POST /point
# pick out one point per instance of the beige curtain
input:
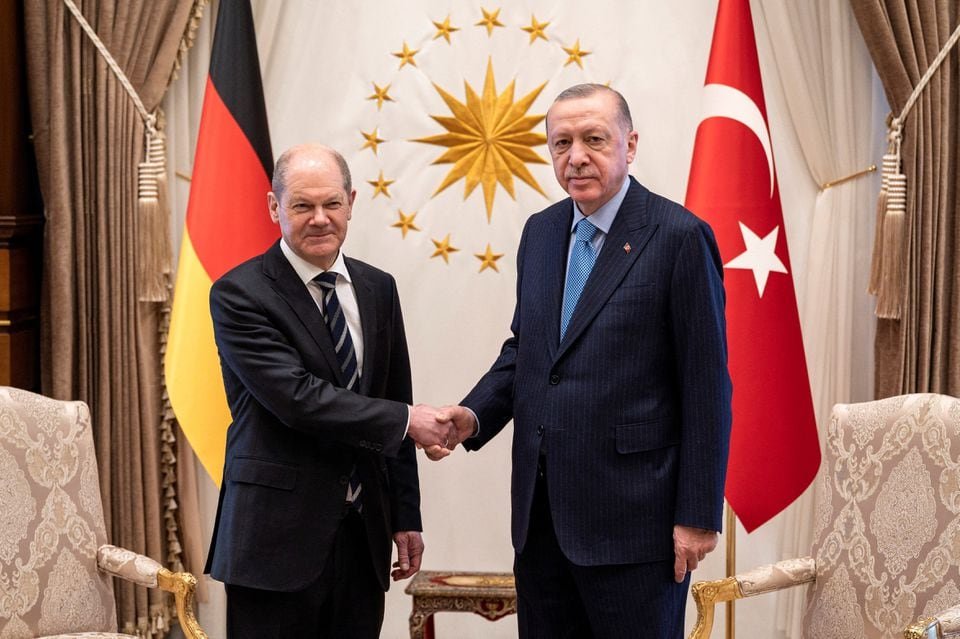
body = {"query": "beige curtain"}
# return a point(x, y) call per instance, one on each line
point(921, 351)
point(100, 342)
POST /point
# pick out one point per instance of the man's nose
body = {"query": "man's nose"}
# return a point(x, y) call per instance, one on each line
point(578, 154)
point(319, 217)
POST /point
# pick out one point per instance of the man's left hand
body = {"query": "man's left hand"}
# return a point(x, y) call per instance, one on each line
point(690, 546)
point(409, 553)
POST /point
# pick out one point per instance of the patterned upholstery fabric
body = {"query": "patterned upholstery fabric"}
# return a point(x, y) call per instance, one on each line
point(783, 574)
point(51, 521)
point(91, 635)
point(128, 565)
point(887, 527)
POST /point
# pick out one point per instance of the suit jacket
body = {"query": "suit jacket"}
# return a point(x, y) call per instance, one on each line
point(297, 433)
point(631, 411)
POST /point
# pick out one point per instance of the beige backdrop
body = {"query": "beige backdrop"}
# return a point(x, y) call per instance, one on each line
point(319, 61)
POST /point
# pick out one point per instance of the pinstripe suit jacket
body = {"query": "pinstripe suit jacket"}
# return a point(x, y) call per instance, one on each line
point(632, 409)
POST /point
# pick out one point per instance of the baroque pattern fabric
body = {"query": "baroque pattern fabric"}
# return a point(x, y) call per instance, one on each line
point(51, 521)
point(887, 543)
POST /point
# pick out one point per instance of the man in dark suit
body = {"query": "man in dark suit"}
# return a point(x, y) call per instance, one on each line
point(320, 466)
point(616, 378)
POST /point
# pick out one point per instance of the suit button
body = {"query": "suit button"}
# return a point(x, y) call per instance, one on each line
point(554, 379)
point(344, 480)
point(540, 430)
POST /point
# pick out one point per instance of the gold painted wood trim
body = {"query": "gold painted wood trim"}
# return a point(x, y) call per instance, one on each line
point(924, 629)
point(706, 594)
point(183, 585)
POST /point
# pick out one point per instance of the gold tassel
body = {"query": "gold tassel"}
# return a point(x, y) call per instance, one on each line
point(886, 279)
point(153, 259)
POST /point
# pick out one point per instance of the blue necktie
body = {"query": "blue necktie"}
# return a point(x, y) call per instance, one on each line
point(346, 355)
point(581, 263)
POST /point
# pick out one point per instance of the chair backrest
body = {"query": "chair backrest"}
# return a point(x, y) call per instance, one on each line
point(51, 520)
point(887, 521)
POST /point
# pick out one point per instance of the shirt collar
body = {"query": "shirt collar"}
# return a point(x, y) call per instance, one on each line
point(603, 217)
point(307, 271)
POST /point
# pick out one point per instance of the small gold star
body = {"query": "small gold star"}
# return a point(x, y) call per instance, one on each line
point(489, 21)
point(380, 95)
point(372, 141)
point(576, 54)
point(405, 223)
point(406, 56)
point(380, 185)
point(444, 29)
point(443, 248)
point(488, 259)
point(536, 29)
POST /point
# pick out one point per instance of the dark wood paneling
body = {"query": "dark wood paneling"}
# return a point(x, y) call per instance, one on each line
point(21, 214)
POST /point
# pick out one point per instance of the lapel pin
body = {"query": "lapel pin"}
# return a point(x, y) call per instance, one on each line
point(626, 248)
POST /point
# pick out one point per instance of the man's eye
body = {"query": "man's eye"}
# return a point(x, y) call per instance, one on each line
point(560, 144)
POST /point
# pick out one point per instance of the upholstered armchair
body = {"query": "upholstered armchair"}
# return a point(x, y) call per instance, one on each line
point(56, 568)
point(886, 542)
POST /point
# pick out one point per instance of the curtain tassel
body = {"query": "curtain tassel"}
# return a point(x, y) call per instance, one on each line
point(153, 259)
point(886, 270)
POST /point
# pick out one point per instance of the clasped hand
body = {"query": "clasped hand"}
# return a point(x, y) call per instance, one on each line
point(439, 430)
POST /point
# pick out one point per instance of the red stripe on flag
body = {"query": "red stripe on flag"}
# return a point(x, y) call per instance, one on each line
point(774, 449)
point(227, 215)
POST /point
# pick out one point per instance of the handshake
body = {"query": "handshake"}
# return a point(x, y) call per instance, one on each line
point(438, 430)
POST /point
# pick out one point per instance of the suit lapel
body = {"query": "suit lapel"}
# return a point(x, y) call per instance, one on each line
point(292, 290)
point(629, 227)
point(367, 303)
point(556, 243)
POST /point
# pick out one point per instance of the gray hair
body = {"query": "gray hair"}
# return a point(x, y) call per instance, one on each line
point(578, 91)
point(279, 182)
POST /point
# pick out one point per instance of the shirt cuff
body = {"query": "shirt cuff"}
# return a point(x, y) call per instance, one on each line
point(407, 427)
point(476, 420)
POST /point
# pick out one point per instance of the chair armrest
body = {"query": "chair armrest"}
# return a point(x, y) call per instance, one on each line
point(779, 576)
point(945, 625)
point(144, 571)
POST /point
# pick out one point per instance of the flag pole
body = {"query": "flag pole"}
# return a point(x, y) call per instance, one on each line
point(731, 536)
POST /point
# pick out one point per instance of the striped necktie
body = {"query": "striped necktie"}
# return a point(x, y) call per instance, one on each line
point(346, 354)
point(581, 263)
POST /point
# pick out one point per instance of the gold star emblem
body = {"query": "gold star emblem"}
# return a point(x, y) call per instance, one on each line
point(489, 21)
point(380, 95)
point(372, 141)
point(536, 29)
point(380, 185)
point(489, 139)
point(406, 56)
point(405, 223)
point(488, 259)
point(576, 54)
point(443, 248)
point(444, 29)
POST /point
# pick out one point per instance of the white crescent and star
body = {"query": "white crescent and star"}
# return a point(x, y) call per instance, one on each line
point(723, 101)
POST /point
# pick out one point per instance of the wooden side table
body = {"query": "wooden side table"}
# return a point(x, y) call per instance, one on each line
point(490, 594)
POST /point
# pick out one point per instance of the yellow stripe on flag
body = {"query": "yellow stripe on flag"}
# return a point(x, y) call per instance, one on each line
point(192, 366)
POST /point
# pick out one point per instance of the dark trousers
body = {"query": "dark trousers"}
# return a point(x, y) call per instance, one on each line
point(345, 601)
point(557, 599)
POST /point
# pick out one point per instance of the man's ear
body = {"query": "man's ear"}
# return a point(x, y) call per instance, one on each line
point(632, 139)
point(351, 200)
point(274, 206)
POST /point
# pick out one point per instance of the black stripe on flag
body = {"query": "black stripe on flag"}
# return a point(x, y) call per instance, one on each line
point(235, 72)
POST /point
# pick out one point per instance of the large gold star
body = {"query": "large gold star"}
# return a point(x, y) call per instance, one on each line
point(444, 29)
point(536, 29)
point(489, 21)
point(576, 54)
point(443, 248)
point(405, 223)
point(489, 139)
point(380, 95)
point(488, 259)
point(380, 185)
point(372, 141)
point(406, 56)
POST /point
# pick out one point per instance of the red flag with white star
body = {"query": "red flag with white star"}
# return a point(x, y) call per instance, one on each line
point(774, 450)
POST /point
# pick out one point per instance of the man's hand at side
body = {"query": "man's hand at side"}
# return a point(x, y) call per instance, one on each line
point(409, 554)
point(690, 546)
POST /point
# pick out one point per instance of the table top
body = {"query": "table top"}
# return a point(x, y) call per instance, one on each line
point(462, 584)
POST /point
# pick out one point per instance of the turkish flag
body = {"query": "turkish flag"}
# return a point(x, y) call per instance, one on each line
point(774, 450)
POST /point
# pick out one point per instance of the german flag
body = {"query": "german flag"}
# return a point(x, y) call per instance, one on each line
point(227, 222)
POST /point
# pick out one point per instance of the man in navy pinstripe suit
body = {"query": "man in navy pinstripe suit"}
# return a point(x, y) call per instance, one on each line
point(620, 393)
